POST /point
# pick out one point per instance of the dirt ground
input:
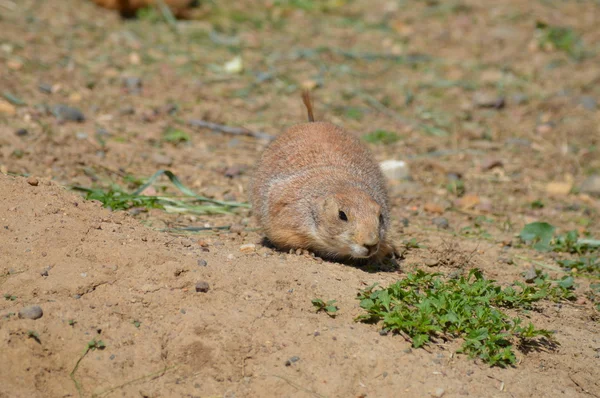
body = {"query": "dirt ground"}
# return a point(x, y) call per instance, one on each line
point(474, 94)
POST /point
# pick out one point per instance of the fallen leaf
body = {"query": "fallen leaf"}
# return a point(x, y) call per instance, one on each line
point(559, 188)
point(433, 208)
point(468, 201)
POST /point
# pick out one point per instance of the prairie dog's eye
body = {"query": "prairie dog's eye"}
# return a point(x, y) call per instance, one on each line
point(381, 219)
point(342, 216)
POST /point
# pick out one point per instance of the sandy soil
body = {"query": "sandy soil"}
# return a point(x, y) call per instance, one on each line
point(116, 277)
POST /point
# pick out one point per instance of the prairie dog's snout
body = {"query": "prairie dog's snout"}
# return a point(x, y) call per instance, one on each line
point(317, 187)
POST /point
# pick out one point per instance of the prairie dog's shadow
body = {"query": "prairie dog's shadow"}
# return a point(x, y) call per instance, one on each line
point(387, 265)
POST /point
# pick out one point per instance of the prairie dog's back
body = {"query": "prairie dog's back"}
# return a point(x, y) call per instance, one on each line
point(313, 157)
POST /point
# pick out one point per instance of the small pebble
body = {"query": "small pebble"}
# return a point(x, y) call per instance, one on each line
point(21, 132)
point(248, 248)
point(77, 296)
point(591, 185)
point(530, 275)
point(439, 393)
point(44, 272)
point(441, 222)
point(407, 350)
point(132, 84)
point(395, 169)
point(202, 287)
point(31, 312)
point(183, 311)
point(68, 113)
point(33, 181)
point(292, 360)
point(316, 334)
point(487, 100)
point(588, 102)
point(162, 160)
point(202, 263)
point(233, 171)
point(384, 332)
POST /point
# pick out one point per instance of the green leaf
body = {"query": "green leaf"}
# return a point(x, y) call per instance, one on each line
point(538, 233)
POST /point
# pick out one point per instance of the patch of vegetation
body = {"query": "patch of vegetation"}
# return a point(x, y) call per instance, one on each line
point(91, 346)
point(424, 306)
point(585, 264)
point(537, 204)
point(541, 236)
point(137, 324)
point(175, 136)
point(10, 297)
point(594, 295)
point(560, 38)
point(381, 137)
point(456, 187)
point(32, 334)
point(116, 198)
point(329, 307)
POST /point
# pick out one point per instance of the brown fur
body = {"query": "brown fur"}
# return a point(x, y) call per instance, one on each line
point(302, 181)
point(128, 8)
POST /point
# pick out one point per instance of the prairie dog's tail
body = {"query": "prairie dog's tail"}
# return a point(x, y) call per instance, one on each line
point(308, 105)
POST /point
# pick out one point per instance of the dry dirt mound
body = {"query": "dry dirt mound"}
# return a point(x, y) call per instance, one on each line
point(103, 276)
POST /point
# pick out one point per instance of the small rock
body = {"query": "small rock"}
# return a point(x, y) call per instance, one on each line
point(489, 164)
point(433, 208)
point(202, 263)
point(32, 312)
point(233, 171)
point(588, 102)
point(591, 185)
point(468, 201)
point(516, 141)
point(431, 262)
point(407, 350)
point(384, 332)
point(32, 181)
point(44, 272)
point(162, 160)
point(520, 99)
point(132, 84)
point(248, 248)
point(559, 188)
point(487, 100)
point(439, 393)
point(292, 360)
point(81, 135)
point(127, 110)
point(236, 228)
point(395, 169)
point(7, 108)
point(405, 222)
point(506, 260)
point(68, 113)
point(530, 275)
point(77, 296)
point(45, 88)
point(441, 222)
point(544, 128)
point(21, 132)
point(202, 287)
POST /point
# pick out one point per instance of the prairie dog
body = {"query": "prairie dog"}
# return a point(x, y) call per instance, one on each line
point(317, 187)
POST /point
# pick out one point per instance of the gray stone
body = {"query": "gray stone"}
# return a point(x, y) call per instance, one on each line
point(441, 222)
point(591, 185)
point(202, 287)
point(68, 113)
point(31, 312)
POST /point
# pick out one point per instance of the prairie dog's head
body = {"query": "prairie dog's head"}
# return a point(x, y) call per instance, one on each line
point(349, 224)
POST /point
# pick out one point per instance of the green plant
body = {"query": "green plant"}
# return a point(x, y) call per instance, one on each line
point(175, 136)
point(137, 324)
point(586, 264)
point(537, 204)
point(116, 198)
point(10, 297)
point(560, 38)
point(34, 335)
point(91, 346)
point(329, 307)
point(541, 236)
point(424, 306)
point(381, 137)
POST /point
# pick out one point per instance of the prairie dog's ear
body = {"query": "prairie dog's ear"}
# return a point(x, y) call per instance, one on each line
point(330, 205)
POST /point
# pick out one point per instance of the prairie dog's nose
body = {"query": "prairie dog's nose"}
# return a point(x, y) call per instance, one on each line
point(371, 243)
point(371, 239)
